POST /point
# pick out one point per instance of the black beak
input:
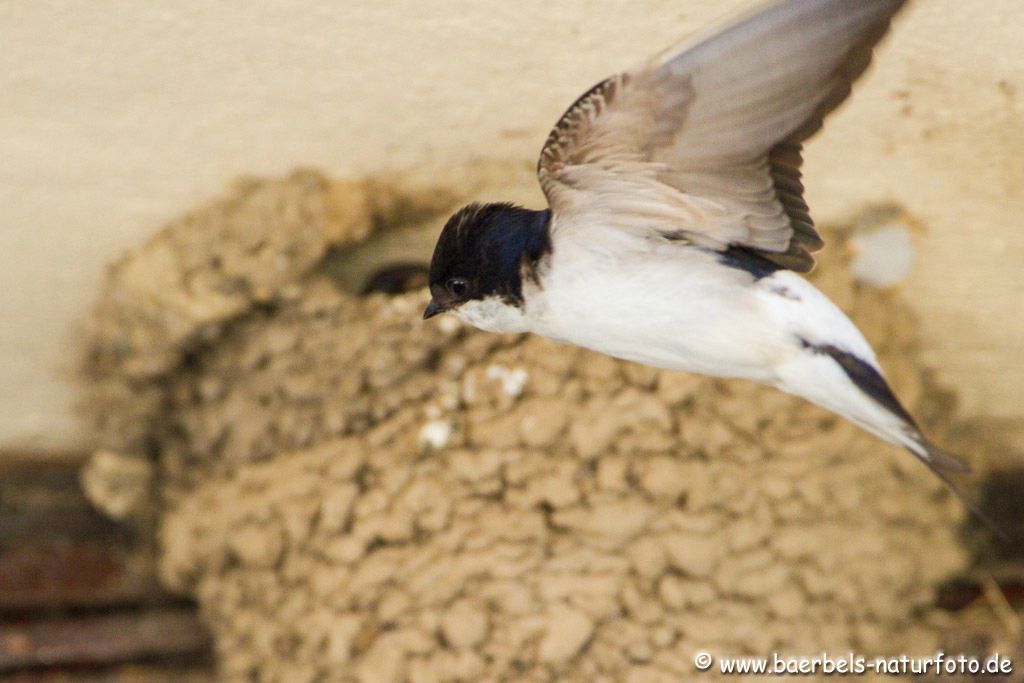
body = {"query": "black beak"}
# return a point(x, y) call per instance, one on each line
point(433, 308)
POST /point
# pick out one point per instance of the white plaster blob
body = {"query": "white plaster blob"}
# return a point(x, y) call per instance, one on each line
point(883, 256)
point(512, 380)
point(435, 435)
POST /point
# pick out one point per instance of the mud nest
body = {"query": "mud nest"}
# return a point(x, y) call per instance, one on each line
point(354, 494)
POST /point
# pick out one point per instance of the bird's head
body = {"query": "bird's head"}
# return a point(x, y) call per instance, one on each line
point(480, 260)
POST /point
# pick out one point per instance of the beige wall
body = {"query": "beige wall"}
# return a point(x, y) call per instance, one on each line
point(116, 116)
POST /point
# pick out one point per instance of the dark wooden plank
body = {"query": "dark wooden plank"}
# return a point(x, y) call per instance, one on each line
point(124, 673)
point(102, 639)
point(47, 574)
point(57, 551)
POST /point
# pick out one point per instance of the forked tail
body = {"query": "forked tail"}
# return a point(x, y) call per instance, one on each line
point(945, 465)
point(854, 387)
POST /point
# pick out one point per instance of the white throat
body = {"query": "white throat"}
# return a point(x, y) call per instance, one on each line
point(494, 315)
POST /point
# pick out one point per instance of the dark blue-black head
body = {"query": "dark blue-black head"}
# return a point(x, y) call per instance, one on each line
point(484, 251)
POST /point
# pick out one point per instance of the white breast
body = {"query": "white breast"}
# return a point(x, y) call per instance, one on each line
point(664, 305)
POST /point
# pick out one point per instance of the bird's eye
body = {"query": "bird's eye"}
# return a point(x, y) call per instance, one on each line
point(457, 287)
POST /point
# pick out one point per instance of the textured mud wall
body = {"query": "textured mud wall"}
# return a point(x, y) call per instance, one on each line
point(356, 495)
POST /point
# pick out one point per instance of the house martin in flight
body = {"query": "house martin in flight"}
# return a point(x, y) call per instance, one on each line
point(677, 230)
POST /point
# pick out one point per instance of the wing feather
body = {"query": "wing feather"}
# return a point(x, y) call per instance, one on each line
point(712, 130)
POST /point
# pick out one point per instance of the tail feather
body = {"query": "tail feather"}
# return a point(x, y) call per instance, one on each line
point(945, 466)
point(853, 386)
point(938, 458)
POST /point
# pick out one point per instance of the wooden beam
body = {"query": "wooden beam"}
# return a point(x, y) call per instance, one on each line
point(103, 639)
point(57, 551)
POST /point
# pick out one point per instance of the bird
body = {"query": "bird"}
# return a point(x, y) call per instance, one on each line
point(677, 234)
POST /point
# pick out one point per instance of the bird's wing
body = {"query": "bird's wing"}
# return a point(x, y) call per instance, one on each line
point(703, 142)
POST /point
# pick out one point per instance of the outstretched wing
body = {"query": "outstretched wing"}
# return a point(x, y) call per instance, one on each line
point(703, 142)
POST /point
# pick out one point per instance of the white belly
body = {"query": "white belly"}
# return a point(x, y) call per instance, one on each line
point(681, 311)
